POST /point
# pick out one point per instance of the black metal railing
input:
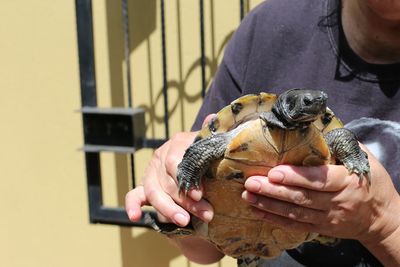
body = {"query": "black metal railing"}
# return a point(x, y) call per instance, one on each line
point(119, 130)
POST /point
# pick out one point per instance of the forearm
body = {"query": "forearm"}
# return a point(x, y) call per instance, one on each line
point(197, 249)
point(388, 250)
point(386, 246)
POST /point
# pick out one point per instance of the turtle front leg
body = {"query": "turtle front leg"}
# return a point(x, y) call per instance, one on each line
point(344, 146)
point(197, 158)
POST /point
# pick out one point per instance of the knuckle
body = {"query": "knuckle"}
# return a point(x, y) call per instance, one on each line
point(302, 198)
point(172, 160)
point(157, 153)
point(348, 208)
point(294, 212)
point(263, 205)
point(320, 185)
point(160, 151)
point(178, 136)
point(151, 194)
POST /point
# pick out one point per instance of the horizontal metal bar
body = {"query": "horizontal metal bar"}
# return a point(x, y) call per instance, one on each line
point(153, 143)
point(120, 130)
point(118, 110)
point(116, 149)
point(118, 216)
point(147, 143)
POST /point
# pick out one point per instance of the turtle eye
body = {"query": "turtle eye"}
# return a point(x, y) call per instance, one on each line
point(307, 101)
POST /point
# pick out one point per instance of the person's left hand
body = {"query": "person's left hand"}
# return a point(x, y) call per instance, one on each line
point(327, 200)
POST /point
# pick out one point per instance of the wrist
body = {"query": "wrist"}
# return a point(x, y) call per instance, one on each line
point(387, 250)
point(197, 249)
point(385, 224)
point(383, 239)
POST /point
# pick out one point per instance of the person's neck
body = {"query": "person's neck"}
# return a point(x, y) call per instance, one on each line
point(371, 36)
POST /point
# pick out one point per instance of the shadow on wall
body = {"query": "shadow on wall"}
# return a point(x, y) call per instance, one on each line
point(143, 18)
point(143, 22)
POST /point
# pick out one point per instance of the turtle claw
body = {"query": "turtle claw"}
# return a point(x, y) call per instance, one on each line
point(359, 166)
point(344, 145)
point(196, 161)
point(188, 175)
point(369, 178)
point(186, 182)
point(367, 175)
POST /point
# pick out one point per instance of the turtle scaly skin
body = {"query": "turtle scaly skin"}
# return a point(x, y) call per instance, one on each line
point(247, 138)
point(344, 146)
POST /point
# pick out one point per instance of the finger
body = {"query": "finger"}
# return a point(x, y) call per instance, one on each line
point(328, 178)
point(285, 209)
point(297, 195)
point(162, 202)
point(134, 200)
point(201, 208)
point(162, 218)
point(208, 119)
point(167, 207)
point(196, 194)
point(170, 156)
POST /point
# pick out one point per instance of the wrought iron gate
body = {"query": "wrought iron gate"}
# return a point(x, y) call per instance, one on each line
point(118, 130)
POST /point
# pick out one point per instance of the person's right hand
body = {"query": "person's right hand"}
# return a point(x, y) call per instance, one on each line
point(159, 187)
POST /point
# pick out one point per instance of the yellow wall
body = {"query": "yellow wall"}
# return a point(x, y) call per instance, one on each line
point(43, 199)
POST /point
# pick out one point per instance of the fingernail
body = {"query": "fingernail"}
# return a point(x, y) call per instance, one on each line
point(196, 195)
point(131, 214)
point(180, 219)
point(252, 185)
point(206, 215)
point(249, 197)
point(276, 176)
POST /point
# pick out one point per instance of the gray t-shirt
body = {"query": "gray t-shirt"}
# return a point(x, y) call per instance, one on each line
point(284, 44)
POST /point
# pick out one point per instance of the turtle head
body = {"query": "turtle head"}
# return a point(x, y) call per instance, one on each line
point(300, 106)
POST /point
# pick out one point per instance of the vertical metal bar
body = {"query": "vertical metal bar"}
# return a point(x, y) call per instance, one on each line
point(202, 47)
point(86, 52)
point(88, 96)
point(98, 213)
point(125, 22)
point(241, 9)
point(164, 67)
point(93, 174)
point(132, 166)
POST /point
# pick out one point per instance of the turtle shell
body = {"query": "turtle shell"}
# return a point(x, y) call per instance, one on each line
point(254, 151)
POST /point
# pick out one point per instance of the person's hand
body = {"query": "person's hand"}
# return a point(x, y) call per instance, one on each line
point(327, 200)
point(159, 186)
point(159, 189)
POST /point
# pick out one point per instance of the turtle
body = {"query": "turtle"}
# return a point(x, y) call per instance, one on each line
point(249, 137)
